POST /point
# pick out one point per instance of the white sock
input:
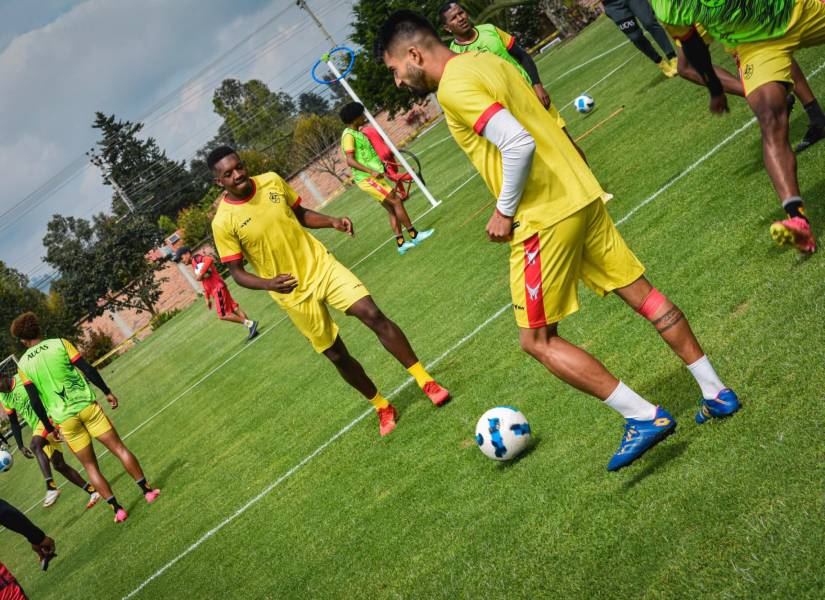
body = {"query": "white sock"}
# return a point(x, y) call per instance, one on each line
point(629, 404)
point(248, 323)
point(706, 377)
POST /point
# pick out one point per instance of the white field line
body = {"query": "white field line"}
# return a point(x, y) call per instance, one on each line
point(224, 363)
point(250, 503)
point(433, 145)
point(587, 62)
point(457, 345)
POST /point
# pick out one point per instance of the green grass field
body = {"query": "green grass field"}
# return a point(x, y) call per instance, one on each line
point(231, 432)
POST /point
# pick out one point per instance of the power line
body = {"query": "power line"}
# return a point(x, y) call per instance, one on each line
point(79, 165)
point(47, 194)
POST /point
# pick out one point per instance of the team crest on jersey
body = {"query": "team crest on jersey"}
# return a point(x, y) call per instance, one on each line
point(747, 72)
point(275, 197)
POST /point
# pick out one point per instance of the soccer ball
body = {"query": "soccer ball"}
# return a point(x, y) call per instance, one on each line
point(502, 433)
point(6, 460)
point(584, 103)
point(199, 268)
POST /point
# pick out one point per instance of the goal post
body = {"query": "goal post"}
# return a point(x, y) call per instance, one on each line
point(341, 78)
point(8, 369)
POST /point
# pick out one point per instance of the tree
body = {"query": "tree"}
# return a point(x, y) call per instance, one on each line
point(567, 16)
point(166, 226)
point(156, 184)
point(313, 138)
point(197, 166)
point(194, 221)
point(372, 80)
point(16, 297)
point(104, 264)
point(312, 103)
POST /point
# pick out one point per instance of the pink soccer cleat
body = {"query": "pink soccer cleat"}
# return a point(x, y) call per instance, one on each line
point(151, 496)
point(121, 515)
point(796, 231)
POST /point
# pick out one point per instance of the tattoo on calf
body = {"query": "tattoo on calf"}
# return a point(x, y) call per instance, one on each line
point(668, 320)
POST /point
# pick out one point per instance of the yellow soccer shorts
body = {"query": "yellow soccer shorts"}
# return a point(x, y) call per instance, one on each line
point(51, 446)
point(700, 31)
point(91, 422)
point(554, 112)
point(546, 267)
point(338, 288)
point(377, 187)
point(768, 61)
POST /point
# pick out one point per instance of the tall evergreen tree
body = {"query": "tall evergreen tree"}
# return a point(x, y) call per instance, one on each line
point(155, 183)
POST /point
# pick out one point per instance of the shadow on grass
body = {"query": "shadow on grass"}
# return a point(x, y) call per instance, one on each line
point(534, 442)
point(158, 480)
point(656, 458)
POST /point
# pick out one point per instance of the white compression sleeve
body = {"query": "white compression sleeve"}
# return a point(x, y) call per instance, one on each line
point(517, 147)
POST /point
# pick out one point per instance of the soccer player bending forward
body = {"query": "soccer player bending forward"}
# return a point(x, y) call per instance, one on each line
point(548, 210)
point(260, 219)
point(52, 373)
point(763, 34)
point(15, 400)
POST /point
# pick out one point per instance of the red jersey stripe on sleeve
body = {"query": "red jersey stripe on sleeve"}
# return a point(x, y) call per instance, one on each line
point(230, 258)
point(75, 358)
point(685, 37)
point(511, 43)
point(485, 117)
point(296, 203)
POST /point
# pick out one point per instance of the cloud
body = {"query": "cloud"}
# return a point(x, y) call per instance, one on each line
point(123, 57)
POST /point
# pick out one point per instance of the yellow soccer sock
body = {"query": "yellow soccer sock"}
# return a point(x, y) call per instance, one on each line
point(420, 374)
point(379, 401)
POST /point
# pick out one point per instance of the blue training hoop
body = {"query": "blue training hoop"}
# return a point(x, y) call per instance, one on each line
point(326, 57)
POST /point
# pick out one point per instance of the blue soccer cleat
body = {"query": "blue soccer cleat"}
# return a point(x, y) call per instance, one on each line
point(402, 249)
point(422, 235)
point(641, 436)
point(725, 404)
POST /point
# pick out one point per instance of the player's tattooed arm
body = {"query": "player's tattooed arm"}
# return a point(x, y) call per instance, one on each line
point(670, 319)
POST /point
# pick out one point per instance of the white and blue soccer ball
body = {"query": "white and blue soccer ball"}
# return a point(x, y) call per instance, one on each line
point(502, 433)
point(584, 103)
point(6, 460)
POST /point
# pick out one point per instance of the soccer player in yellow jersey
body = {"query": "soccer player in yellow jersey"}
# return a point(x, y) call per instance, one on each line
point(260, 219)
point(548, 210)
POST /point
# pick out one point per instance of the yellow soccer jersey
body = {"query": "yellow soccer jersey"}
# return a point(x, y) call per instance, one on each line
point(264, 230)
point(474, 87)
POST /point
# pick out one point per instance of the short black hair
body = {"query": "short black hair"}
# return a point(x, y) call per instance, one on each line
point(217, 155)
point(401, 23)
point(447, 6)
point(350, 112)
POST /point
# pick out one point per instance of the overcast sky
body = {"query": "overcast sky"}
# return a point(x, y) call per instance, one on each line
point(62, 60)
